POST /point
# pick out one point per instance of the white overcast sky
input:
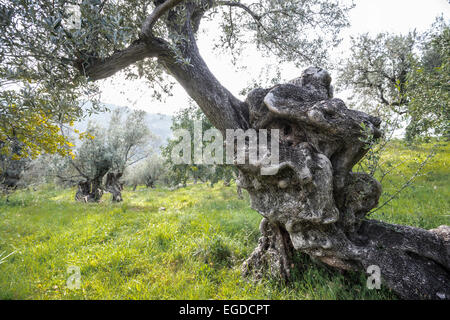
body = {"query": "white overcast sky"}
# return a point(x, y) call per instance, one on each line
point(373, 16)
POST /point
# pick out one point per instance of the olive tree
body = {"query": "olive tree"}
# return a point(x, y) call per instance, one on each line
point(428, 87)
point(187, 119)
point(147, 172)
point(12, 165)
point(313, 203)
point(404, 76)
point(377, 70)
point(105, 153)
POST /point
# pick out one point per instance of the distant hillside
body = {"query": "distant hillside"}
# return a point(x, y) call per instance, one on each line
point(159, 124)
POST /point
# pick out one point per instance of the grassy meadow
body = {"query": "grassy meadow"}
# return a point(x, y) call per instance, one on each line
point(184, 244)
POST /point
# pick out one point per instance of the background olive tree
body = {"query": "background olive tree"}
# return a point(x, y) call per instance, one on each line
point(149, 172)
point(181, 173)
point(402, 78)
point(105, 153)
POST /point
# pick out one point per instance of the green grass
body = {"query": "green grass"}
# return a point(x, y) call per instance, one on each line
point(191, 250)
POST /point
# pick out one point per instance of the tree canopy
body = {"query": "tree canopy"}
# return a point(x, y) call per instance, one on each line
point(406, 75)
point(48, 65)
point(428, 88)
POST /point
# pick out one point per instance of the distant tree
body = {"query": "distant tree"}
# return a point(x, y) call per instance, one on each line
point(377, 70)
point(181, 173)
point(428, 88)
point(40, 171)
point(91, 163)
point(106, 153)
point(147, 172)
point(401, 75)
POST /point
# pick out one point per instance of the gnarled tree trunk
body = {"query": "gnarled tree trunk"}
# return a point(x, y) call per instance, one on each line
point(89, 191)
point(114, 186)
point(315, 204)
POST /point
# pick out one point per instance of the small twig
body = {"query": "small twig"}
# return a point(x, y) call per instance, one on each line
point(407, 183)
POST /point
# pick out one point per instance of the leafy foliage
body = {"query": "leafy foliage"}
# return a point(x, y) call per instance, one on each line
point(149, 171)
point(291, 30)
point(39, 88)
point(404, 76)
point(428, 89)
point(44, 59)
point(376, 70)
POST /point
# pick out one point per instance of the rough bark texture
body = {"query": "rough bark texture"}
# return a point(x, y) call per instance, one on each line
point(239, 192)
point(114, 186)
point(316, 199)
point(91, 190)
point(273, 255)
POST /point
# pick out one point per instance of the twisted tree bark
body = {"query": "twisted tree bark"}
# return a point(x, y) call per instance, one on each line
point(91, 190)
point(315, 204)
point(114, 186)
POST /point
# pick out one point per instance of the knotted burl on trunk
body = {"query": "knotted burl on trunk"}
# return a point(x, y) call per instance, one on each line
point(317, 205)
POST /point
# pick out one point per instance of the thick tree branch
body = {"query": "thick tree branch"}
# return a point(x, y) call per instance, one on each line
point(220, 106)
point(103, 68)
